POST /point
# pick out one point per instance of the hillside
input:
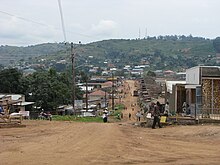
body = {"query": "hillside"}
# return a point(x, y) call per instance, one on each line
point(158, 52)
point(163, 52)
point(10, 54)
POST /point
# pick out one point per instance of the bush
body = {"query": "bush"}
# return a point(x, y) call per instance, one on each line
point(77, 119)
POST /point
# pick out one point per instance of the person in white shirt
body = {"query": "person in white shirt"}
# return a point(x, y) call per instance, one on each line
point(138, 114)
point(105, 117)
point(167, 111)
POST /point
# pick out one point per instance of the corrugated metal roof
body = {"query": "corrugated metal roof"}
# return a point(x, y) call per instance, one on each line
point(97, 93)
point(24, 103)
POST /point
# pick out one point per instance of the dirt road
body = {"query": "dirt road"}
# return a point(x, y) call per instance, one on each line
point(129, 101)
point(71, 143)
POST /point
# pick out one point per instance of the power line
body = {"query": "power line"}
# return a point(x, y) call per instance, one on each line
point(24, 19)
point(46, 25)
point(62, 20)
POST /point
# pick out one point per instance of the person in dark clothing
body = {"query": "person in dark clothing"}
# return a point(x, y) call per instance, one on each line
point(129, 115)
point(1, 110)
point(105, 118)
point(188, 111)
point(156, 114)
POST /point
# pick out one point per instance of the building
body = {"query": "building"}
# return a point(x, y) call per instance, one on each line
point(99, 98)
point(107, 85)
point(175, 94)
point(97, 95)
point(14, 102)
point(202, 91)
point(198, 96)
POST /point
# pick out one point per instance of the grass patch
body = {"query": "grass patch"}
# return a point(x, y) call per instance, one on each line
point(116, 112)
point(119, 107)
point(77, 119)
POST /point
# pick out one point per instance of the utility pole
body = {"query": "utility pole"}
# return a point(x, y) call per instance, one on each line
point(105, 99)
point(86, 93)
point(113, 99)
point(73, 78)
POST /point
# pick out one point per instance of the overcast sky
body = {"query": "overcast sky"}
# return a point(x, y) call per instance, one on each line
point(30, 22)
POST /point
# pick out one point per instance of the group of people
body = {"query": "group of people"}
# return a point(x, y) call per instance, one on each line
point(186, 109)
point(45, 115)
point(157, 111)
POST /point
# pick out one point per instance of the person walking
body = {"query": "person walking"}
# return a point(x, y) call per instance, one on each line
point(167, 111)
point(129, 115)
point(105, 117)
point(138, 115)
point(156, 115)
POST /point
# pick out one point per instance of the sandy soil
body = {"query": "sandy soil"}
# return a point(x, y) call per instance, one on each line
point(70, 143)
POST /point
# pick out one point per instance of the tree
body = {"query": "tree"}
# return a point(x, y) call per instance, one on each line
point(216, 44)
point(10, 80)
point(48, 89)
point(151, 74)
point(1, 66)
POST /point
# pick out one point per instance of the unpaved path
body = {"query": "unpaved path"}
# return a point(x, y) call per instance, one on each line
point(129, 101)
point(71, 143)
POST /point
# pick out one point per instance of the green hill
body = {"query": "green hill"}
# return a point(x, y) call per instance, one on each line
point(160, 53)
point(163, 52)
point(11, 54)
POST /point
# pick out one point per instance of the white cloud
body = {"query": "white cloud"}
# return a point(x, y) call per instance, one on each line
point(105, 28)
point(92, 20)
point(15, 30)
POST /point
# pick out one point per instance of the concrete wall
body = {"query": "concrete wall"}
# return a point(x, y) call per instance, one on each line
point(170, 97)
point(193, 75)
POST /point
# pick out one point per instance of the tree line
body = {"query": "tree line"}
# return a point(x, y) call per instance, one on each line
point(48, 89)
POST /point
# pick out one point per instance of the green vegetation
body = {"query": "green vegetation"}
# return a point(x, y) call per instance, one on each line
point(118, 111)
point(151, 74)
point(77, 119)
point(14, 54)
point(162, 52)
point(10, 80)
point(119, 106)
point(47, 89)
point(216, 44)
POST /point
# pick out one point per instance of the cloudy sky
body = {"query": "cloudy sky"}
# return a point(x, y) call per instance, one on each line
point(29, 22)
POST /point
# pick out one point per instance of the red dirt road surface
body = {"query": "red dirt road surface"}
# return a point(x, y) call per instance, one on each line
point(71, 143)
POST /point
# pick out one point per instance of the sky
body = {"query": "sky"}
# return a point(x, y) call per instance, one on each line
point(31, 22)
